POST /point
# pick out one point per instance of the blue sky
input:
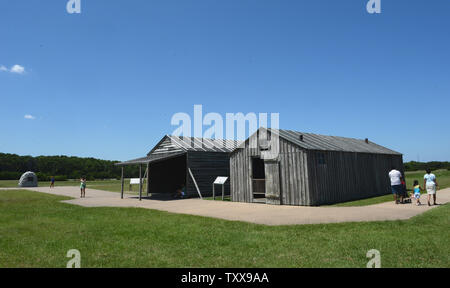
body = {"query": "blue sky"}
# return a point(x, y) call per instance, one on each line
point(105, 83)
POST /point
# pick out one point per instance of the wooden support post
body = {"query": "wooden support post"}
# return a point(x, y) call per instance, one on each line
point(214, 192)
point(140, 182)
point(195, 183)
point(122, 182)
point(148, 178)
point(223, 192)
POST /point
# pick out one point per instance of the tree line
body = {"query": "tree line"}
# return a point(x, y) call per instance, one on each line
point(434, 165)
point(12, 166)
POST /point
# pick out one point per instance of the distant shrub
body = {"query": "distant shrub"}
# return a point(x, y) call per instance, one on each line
point(421, 166)
point(42, 177)
point(61, 178)
point(9, 175)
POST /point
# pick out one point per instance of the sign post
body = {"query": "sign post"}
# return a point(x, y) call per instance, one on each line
point(219, 181)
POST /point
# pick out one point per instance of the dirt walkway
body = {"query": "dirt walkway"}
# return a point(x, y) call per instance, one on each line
point(254, 213)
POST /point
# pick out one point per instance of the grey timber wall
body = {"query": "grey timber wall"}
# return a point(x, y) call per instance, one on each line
point(206, 167)
point(293, 178)
point(309, 177)
point(346, 176)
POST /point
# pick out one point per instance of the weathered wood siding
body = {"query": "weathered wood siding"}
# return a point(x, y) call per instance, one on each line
point(166, 146)
point(292, 169)
point(309, 178)
point(344, 176)
point(272, 171)
point(206, 167)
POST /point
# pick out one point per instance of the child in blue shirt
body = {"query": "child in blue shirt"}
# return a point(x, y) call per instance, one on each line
point(417, 189)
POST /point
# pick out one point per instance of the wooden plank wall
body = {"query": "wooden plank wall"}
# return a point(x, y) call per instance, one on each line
point(347, 176)
point(206, 167)
point(272, 170)
point(241, 172)
point(294, 189)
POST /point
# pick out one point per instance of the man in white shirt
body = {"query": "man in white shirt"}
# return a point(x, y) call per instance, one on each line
point(396, 184)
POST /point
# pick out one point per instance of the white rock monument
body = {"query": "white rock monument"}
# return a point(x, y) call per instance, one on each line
point(28, 179)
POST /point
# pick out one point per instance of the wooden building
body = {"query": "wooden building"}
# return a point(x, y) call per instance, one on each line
point(185, 161)
point(294, 168)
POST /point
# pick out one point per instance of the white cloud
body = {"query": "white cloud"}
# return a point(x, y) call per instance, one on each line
point(17, 69)
point(29, 117)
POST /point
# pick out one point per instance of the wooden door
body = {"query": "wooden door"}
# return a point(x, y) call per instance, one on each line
point(273, 193)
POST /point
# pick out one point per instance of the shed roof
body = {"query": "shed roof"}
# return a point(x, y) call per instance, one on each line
point(312, 141)
point(151, 158)
point(198, 144)
point(333, 143)
point(174, 146)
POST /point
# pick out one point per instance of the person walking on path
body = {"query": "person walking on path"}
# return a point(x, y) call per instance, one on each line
point(52, 182)
point(83, 187)
point(430, 183)
point(416, 192)
point(396, 184)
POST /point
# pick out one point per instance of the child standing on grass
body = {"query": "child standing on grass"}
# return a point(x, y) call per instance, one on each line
point(417, 189)
point(83, 187)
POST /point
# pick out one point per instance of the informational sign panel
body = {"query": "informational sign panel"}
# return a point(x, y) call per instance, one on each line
point(134, 181)
point(221, 180)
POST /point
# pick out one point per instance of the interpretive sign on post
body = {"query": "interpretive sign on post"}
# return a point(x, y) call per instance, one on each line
point(219, 181)
point(135, 181)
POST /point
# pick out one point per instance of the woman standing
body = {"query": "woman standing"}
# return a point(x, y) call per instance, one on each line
point(430, 183)
point(83, 187)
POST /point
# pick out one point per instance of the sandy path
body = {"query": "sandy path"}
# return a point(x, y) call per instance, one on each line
point(253, 213)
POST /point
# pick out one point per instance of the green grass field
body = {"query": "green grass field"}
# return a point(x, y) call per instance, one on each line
point(37, 230)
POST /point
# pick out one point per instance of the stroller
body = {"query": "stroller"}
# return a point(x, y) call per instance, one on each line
point(406, 199)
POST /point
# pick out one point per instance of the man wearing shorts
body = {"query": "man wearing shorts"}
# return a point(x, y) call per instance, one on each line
point(396, 184)
point(430, 183)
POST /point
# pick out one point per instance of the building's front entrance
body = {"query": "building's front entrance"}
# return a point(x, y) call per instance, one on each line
point(258, 180)
point(265, 181)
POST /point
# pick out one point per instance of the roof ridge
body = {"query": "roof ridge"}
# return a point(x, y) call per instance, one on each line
point(313, 141)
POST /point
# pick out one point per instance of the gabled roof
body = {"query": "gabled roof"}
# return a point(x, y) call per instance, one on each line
point(176, 143)
point(174, 146)
point(310, 141)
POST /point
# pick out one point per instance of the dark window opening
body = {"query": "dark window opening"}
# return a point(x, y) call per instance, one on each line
point(321, 159)
point(258, 181)
point(258, 168)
